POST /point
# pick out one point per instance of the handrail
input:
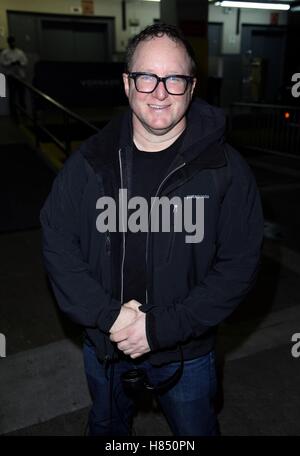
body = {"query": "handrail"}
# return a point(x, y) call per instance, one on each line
point(262, 105)
point(58, 105)
point(271, 128)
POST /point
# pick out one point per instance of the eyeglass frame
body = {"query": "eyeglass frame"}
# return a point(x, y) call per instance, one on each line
point(133, 75)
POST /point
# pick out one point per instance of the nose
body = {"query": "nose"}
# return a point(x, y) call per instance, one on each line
point(160, 92)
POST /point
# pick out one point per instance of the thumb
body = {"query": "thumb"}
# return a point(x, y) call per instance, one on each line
point(133, 304)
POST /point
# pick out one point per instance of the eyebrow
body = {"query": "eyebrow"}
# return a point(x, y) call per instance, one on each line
point(153, 72)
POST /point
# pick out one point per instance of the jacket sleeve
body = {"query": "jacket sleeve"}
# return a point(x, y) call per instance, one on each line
point(232, 274)
point(78, 293)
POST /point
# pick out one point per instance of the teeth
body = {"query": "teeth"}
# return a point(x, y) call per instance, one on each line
point(157, 107)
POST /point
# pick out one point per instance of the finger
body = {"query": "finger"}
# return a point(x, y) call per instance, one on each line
point(135, 355)
point(133, 304)
point(124, 329)
point(139, 351)
point(118, 336)
point(124, 346)
point(129, 349)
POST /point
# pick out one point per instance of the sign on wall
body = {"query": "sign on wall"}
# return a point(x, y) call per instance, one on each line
point(88, 7)
point(274, 18)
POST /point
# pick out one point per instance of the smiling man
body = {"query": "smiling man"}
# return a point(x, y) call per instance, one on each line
point(159, 107)
point(150, 300)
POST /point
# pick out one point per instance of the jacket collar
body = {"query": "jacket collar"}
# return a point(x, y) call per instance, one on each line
point(201, 146)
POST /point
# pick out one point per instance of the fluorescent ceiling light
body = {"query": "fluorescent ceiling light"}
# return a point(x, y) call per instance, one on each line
point(254, 5)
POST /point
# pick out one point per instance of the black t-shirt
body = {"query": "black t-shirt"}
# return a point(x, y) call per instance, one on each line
point(149, 169)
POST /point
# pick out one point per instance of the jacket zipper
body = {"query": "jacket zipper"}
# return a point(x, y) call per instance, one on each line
point(107, 357)
point(107, 243)
point(149, 218)
point(123, 236)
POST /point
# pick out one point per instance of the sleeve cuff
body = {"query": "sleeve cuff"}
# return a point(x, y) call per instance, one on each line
point(104, 323)
point(165, 329)
point(150, 332)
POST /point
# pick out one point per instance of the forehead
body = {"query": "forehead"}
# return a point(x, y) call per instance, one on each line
point(160, 54)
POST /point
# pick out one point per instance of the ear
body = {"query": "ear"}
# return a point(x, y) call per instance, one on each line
point(126, 83)
point(193, 86)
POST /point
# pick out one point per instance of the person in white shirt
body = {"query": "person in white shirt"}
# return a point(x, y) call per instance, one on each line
point(13, 62)
point(13, 59)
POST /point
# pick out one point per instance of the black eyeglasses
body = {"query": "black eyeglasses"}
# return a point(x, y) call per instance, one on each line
point(175, 84)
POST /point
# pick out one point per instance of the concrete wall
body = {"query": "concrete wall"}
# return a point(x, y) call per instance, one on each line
point(144, 12)
point(231, 43)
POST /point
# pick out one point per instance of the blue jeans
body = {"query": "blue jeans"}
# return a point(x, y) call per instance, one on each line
point(188, 405)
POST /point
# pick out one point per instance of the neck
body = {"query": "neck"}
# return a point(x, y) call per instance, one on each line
point(150, 142)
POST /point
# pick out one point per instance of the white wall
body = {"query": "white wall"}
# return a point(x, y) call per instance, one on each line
point(231, 42)
point(145, 12)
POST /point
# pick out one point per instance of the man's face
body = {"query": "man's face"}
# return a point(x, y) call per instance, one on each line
point(159, 112)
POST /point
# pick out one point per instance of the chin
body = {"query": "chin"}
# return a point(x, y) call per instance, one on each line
point(160, 124)
point(159, 131)
point(156, 126)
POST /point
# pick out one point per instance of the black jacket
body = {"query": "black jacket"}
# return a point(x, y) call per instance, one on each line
point(191, 287)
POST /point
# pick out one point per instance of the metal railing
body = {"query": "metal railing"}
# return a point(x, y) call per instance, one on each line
point(32, 103)
point(266, 127)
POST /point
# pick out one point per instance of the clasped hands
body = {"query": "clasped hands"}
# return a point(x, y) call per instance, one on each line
point(129, 330)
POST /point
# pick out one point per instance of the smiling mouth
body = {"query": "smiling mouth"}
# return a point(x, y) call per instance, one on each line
point(158, 107)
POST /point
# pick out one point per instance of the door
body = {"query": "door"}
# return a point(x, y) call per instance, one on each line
point(68, 41)
point(265, 46)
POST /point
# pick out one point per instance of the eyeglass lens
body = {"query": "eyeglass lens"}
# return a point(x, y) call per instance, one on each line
point(173, 84)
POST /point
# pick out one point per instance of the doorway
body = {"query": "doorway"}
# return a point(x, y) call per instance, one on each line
point(263, 49)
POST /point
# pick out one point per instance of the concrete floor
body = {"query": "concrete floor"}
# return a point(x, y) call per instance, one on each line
point(259, 376)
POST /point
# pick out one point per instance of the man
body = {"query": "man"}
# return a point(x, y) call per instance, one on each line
point(145, 297)
point(14, 62)
point(13, 59)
